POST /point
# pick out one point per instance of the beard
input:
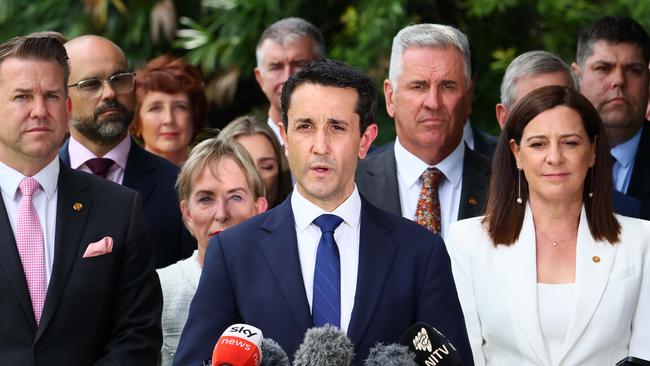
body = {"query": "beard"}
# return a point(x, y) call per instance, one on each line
point(108, 129)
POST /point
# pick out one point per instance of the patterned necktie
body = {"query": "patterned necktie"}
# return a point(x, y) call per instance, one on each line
point(326, 304)
point(427, 213)
point(100, 166)
point(30, 243)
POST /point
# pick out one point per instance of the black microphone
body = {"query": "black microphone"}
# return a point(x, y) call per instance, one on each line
point(325, 346)
point(390, 355)
point(273, 354)
point(430, 346)
point(632, 361)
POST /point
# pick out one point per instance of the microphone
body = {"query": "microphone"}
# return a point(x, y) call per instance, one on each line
point(239, 345)
point(390, 355)
point(273, 354)
point(632, 361)
point(325, 346)
point(430, 346)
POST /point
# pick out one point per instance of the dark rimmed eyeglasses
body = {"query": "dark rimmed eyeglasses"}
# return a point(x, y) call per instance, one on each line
point(120, 83)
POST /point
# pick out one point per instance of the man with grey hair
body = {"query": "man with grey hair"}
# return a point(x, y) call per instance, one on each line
point(428, 174)
point(284, 48)
point(527, 72)
point(612, 69)
point(536, 69)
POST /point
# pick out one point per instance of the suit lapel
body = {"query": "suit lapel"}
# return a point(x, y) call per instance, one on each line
point(136, 174)
point(518, 263)
point(12, 266)
point(476, 176)
point(379, 178)
point(376, 255)
point(280, 247)
point(594, 261)
point(640, 181)
point(70, 224)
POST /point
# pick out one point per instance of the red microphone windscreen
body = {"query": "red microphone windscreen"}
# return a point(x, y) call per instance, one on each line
point(239, 345)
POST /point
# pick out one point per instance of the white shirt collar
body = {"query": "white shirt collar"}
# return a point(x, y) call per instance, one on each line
point(410, 167)
point(47, 177)
point(349, 210)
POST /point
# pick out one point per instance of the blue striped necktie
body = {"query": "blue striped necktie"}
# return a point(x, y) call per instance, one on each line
point(326, 304)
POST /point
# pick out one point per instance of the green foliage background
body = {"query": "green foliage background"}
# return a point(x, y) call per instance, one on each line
point(219, 36)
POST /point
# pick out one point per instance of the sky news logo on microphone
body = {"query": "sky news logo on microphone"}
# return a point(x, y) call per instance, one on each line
point(238, 345)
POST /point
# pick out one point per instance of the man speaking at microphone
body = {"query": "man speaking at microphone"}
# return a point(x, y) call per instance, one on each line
point(325, 255)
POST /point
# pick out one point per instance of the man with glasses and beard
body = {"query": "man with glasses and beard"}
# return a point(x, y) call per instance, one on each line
point(103, 104)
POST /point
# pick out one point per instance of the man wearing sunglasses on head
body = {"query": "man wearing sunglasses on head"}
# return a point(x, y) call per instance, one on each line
point(102, 91)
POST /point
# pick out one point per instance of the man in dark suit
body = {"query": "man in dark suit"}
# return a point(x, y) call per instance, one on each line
point(612, 69)
point(268, 271)
point(77, 280)
point(429, 94)
point(102, 109)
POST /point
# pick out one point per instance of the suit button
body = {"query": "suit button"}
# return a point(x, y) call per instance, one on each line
point(38, 347)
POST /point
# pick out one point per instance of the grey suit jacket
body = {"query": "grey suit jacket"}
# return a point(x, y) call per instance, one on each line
point(377, 180)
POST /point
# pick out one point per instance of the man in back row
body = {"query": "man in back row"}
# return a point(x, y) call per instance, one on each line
point(326, 255)
point(103, 103)
point(612, 69)
point(285, 47)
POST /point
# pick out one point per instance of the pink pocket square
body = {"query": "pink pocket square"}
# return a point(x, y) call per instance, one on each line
point(103, 246)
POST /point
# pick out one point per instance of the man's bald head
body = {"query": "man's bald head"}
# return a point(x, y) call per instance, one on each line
point(100, 119)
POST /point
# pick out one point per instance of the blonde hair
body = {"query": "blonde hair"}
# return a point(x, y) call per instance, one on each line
point(209, 152)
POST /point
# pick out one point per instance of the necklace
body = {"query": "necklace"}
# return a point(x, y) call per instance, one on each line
point(556, 242)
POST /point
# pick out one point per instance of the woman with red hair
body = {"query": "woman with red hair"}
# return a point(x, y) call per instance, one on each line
point(171, 107)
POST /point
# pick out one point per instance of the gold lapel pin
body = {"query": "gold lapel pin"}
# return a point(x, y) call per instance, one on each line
point(77, 206)
point(595, 258)
point(473, 201)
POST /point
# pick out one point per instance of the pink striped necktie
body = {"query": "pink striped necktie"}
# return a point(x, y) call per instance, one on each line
point(29, 239)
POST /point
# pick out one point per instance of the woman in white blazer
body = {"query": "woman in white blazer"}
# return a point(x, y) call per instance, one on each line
point(550, 276)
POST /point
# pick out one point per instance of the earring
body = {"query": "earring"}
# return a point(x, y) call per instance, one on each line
point(591, 182)
point(519, 200)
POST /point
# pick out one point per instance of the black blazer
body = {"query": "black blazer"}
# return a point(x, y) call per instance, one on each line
point(154, 178)
point(640, 181)
point(103, 310)
point(377, 180)
point(252, 275)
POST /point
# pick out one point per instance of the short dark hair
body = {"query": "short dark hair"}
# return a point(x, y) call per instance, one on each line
point(337, 74)
point(504, 216)
point(38, 47)
point(171, 75)
point(612, 29)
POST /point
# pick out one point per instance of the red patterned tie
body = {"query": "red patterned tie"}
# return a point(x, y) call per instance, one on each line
point(30, 243)
point(427, 213)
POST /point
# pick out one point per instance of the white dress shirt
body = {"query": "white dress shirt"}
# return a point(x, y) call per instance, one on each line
point(347, 240)
point(276, 130)
point(44, 201)
point(409, 170)
point(468, 135)
point(79, 155)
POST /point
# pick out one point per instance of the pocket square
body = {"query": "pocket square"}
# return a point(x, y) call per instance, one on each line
point(103, 246)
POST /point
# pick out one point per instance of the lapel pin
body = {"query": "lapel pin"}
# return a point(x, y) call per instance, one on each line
point(77, 206)
point(595, 258)
point(473, 201)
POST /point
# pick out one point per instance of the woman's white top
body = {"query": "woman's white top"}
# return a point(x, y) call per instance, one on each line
point(179, 282)
point(556, 304)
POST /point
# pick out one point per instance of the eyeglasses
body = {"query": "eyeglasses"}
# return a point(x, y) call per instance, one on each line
point(92, 88)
